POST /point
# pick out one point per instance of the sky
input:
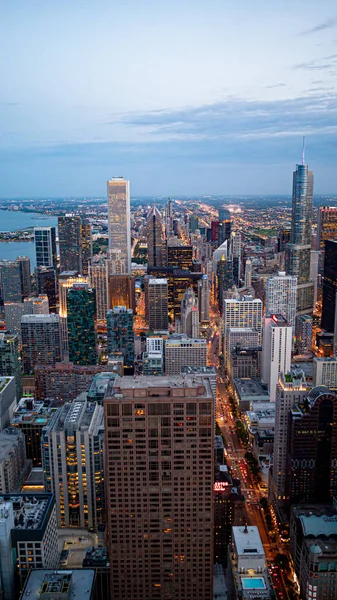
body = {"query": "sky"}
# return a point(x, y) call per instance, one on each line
point(178, 96)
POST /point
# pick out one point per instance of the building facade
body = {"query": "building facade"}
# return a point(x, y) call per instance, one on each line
point(276, 351)
point(45, 246)
point(281, 296)
point(81, 315)
point(119, 322)
point(41, 341)
point(156, 247)
point(182, 351)
point(156, 299)
point(119, 223)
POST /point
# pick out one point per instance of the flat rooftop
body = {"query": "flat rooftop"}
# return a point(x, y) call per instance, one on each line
point(188, 370)
point(9, 438)
point(251, 388)
point(247, 541)
point(76, 584)
point(319, 525)
point(29, 509)
point(157, 281)
point(174, 382)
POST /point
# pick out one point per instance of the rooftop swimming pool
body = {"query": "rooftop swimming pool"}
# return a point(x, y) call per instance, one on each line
point(253, 583)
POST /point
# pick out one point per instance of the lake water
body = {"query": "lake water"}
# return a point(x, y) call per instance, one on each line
point(13, 221)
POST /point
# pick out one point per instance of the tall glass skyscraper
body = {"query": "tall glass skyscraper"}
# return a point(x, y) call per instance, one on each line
point(119, 218)
point(298, 251)
point(45, 246)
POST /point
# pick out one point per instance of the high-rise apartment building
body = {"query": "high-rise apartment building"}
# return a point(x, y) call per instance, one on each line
point(119, 218)
point(235, 253)
point(46, 285)
point(13, 314)
point(224, 225)
point(182, 351)
point(312, 448)
point(31, 416)
point(98, 280)
point(326, 226)
point(303, 334)
point(81, 315)
point(325, 372)
point(329, 304)
point(224, 278)
point(243, 312)
point(45, 246)
point(315, 276)
point(298, 251)
point(119, 322)
point(72, 457)
point(190, 314)
point(204, 299)
point(66, 281)
point(75, 243)
point(10, 281)
point(161, 520)
point(10, 363)
point(281, 296)
point(41, 341)
point(291, 388)
point(13, 464)
point(276, 351)
point(36, 305)
point(156, 303)
point(121, 291)
point(156, 247)
point(65, 381)
point(24, 263)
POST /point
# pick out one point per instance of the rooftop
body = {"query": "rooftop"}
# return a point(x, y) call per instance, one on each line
point(96, 557)
point(176, 339)
point(75, 415)
point(251, 388)
point(323, 525)
point(29, 510)
point(8, 438)
point(76, 584)
point(31, 411)
point(154, 384)
point(188, 370)
point(157, 281)
point(247, 541)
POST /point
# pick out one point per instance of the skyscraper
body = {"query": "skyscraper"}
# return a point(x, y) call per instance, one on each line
point(119, 217)
point(328, 321)
point(98, 280)
point(244, 312)
point(24, 263)
point(303, 331)
point(75, 243)
point(190, 314)
point(204, 299)
point(182, 351)
point(161, 520)
point(326, 226)
point(41, 341)
point(315, 277)
point(224, 278)
point(121, 291)
point(248, 273)
point(156, 300)
point(46, 285)
point(10, 364)
point(119, 322)
point(298, 251)
point(224, 225)
point(281, 296)
point(276, 351)
point(156, 247)
point(10, 281)
point(235, 253)
point(72, 458)
point(81, 315)
point(180, 256)
point(45, 246)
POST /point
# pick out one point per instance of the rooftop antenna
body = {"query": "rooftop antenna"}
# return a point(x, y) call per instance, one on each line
point(303, 150)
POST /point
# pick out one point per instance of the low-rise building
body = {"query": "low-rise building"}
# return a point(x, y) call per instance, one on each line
point(77, 584)
point(247, 391)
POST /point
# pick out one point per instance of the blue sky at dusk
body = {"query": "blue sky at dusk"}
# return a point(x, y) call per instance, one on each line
point(179, 96)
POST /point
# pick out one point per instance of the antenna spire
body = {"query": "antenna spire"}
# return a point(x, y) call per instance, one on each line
point(303, 150)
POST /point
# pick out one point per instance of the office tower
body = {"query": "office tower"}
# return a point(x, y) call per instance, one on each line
point(178, 282)
point(119, 322)
point(12, 460)
point(224, 278)
point(243, 312)
point(215, 232)
point(169, 218)
point(72, 458)
point(119, 218)
point(244, 363)
point(182, 351)
point(156, 247)
point(41, 341)
point(156, 301)
point(98, 280)
point(81, 315)
point(325, 372)
point(180, 256)
point(66, 281)
point(121, 291)
point(224, 225)
point(204, 299)
point(13, 314)
point(10, 281)
point(281, 296)
point(10, 363)
point(248, 273)
point(24, 263)
point(144, 548)
point(247, 572)
point(7, 400)
point(291, 388)
point(45, 246)
point(303, 331)
point(30, 416)
point(313, 547)
point(75, 243)
point(298, 251)
point(314, 272)
point(114, 262)
point(46, 285)
point(235, 253)
point(36, 305)
point(329, 286)
point(241, 337)
point(7, 566)
point(326, 226)
point(312, 448)
point(31, 520)
point(193, 223)
point(65, 381)
point(190, 314)
point(283, 239)
point(276, 351)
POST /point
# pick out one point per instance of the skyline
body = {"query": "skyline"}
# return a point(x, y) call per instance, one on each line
point(179, 101)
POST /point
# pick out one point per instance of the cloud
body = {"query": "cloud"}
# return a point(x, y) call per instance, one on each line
point(328, 24)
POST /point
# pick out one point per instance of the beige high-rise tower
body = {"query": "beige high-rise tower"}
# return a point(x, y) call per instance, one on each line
point(159, 438)
point(119, 218)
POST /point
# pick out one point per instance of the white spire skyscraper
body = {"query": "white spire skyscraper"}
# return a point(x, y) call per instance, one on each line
point(298, 251)
point(119, 218)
